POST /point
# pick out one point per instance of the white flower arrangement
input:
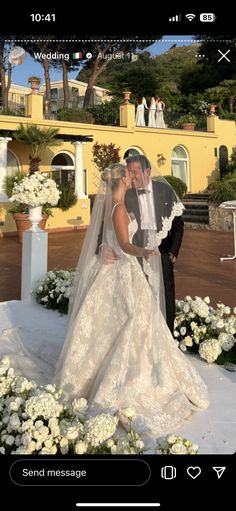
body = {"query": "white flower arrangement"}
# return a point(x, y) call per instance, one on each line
point(36, 190)
point(205, 330)
point(172, 444)
point(35, 420)
point(53, 291)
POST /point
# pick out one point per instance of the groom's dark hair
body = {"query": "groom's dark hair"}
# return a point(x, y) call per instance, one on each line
point(140, 158)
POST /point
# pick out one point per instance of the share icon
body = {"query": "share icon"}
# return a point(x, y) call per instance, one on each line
point(219, 471)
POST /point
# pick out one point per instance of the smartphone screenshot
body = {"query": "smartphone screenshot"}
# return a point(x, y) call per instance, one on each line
point(117, 257)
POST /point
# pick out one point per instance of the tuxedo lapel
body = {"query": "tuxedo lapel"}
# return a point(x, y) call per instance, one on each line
point(132, 205)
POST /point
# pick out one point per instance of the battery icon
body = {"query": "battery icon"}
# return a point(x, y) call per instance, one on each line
point(207, 17)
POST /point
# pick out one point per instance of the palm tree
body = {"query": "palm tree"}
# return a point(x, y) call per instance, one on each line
point(38, 139)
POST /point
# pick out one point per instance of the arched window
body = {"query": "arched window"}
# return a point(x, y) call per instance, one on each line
point(62, 168)
point(12, 164)
point(179, 164)
point(223, 160)
point(132, 151)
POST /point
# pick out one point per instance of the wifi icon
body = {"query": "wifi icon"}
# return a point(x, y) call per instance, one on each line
point(190, 16)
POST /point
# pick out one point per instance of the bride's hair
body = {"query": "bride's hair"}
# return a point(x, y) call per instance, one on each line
point(113, 174)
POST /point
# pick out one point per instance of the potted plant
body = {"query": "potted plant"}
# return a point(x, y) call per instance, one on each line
point(187, 122)
point(32, 195)
point(34, 82)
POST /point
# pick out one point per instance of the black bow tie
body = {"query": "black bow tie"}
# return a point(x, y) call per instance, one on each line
point(142, 190)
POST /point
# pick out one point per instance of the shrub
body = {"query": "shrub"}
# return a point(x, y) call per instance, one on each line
point(186, 119)
point(75, 115)
point(67, 197)
point(179, 186)
point(104, 155)
point(222, 191)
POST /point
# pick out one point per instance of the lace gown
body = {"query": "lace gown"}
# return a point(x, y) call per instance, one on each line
point(120, 352)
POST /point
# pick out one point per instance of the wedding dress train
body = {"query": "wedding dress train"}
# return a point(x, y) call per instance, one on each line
point(119, 351)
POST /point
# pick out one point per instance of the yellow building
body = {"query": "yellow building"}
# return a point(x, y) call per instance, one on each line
point(76, 94)
point(193, 156)
point(17, 95)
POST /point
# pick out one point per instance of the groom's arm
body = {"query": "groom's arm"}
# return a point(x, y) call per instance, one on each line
point(176, 235)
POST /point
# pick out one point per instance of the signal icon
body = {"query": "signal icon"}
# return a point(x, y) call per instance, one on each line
point(190, 17)
point(175, 18)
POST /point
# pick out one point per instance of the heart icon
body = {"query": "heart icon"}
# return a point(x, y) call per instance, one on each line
point(193, 472)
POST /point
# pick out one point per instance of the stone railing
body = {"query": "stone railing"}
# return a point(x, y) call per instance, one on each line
point(220, 219)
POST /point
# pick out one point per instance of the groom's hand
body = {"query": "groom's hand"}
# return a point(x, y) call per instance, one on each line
point(108, 255)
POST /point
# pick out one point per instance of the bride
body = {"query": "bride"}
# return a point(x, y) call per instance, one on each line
point(118, 351)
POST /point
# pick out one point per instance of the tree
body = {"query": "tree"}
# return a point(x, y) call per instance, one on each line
point(38, 139)
point(5, 72)
point(230, 91)
point(102, 52)
point(44, 44)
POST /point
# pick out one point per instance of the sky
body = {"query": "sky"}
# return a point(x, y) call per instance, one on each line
point(32, 67)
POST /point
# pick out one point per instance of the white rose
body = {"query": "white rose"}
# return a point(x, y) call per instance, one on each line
point(171, 439)
point(178, 449)
point(10, 440)
point(81, 447)
point(183, 330)
point(188, 341)
point(206, 299)
point(129, 413)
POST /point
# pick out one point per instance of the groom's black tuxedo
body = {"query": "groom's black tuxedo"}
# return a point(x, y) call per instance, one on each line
point(162, 196)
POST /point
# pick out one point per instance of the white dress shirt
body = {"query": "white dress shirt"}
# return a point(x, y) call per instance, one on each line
point(147, 210)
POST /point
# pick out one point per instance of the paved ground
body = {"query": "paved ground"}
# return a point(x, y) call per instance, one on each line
point(198, 270)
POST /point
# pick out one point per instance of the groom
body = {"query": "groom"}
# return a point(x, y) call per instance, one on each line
point(160, 194)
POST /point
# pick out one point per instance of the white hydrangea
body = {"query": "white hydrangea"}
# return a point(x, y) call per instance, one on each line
point(36, 190)
point(210, 350)
point(226, 341)
point(100, 428)
point(43, 405)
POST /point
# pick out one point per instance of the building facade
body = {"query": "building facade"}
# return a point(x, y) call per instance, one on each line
point(193, 156)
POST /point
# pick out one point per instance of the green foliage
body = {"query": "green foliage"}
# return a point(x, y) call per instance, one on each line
point(232, 163)
point(224, 190)
point(179, 186)
point(36, 78)
point(10, 181)
point(37, 138)
point(67, 197)
point(104, 155)
point(108, 113)
point(75, 115)
point(186, 119)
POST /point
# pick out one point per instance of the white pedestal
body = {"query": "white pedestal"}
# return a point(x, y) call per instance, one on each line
point(34, 262)
point(230, 205)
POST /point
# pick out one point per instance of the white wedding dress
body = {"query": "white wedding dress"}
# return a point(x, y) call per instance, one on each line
point(119, 352)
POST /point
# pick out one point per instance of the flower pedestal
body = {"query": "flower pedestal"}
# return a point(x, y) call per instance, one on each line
point(23, 223)
point(35, 216)
point(34, 259)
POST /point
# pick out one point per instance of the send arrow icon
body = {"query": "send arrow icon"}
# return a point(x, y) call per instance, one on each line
point(219, 471)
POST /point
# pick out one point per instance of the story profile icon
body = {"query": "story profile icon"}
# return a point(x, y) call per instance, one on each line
point(16, 55)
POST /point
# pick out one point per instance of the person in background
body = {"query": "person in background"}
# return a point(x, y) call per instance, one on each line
point(140, 119)
point(160, 107)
